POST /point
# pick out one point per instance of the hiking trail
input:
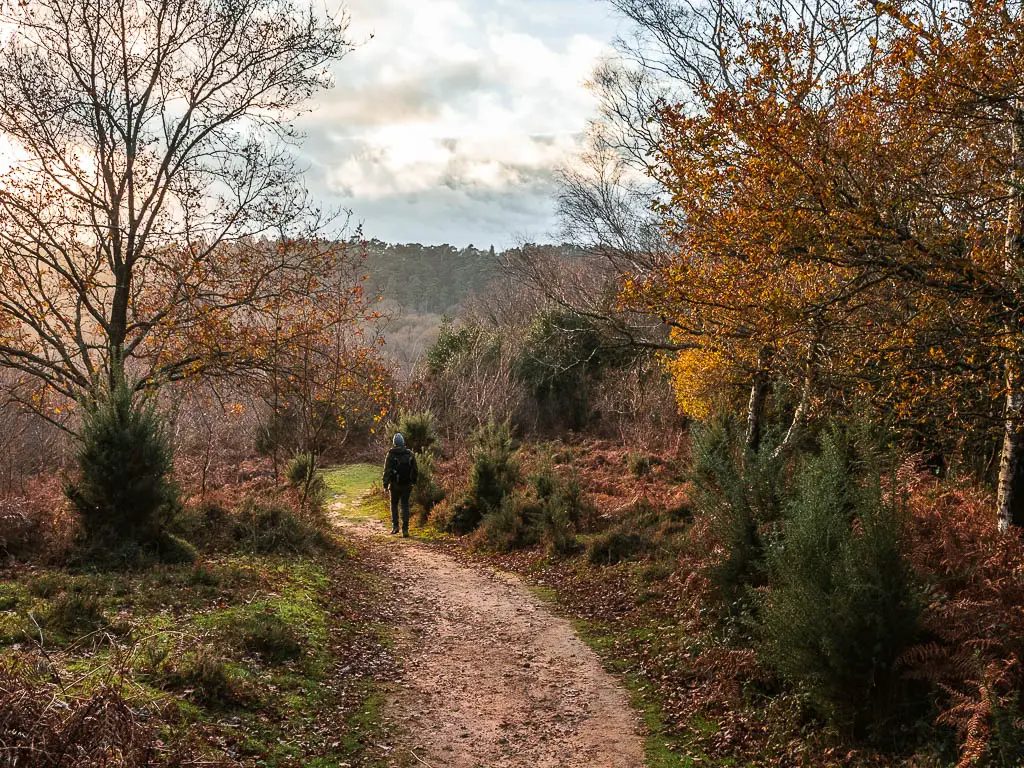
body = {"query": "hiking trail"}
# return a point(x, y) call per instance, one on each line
point(490, 677)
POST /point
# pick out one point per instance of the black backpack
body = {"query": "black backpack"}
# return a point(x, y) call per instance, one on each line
point(402, 473)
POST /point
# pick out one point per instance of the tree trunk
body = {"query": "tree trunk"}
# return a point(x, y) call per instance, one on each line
point(1009, 490)
point(758, 397)
point(803, 409)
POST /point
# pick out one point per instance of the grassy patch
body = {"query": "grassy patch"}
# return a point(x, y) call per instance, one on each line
point(250, 655)
point(662, 747)
point(354, 491)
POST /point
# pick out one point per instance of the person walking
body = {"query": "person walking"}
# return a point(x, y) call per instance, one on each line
point(400, 475)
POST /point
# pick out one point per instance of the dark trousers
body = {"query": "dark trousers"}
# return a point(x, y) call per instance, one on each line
point(400, 494)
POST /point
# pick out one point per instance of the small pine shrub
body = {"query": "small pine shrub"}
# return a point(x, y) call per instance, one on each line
point(300, 469)
point(427, 492)
point(559, 534)
point(123, 492)
point(493, 476)
point(417, 430)
point(495, 470)
point(639, 464)
point(616, 546)
point(301, 473)
point(842, 606)
point(741, 494)
point(544, 480)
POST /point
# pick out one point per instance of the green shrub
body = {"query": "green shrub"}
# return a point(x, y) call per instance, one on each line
point(842, 606)
point(493, 475)
point(559, 533)
point(207, 524)
point(461, 517)
point(266, 526)
point(427, 492)
point(639, 464)
point(300, 469)
point(123, 491)
point(544, 480)
point(513, 525)
point(495, 470)
point(571, 498)
point(268, 636)
point(742, 495)
point(72, 615)
point(615, 546)
point(417, 430)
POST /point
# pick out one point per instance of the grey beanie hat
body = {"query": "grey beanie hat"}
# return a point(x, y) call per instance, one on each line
point(399, 440)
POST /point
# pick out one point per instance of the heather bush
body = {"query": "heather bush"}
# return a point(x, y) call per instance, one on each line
point(513, 525)
point(268, 525)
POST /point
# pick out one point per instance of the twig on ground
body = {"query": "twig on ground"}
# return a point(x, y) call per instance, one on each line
point(420, 759)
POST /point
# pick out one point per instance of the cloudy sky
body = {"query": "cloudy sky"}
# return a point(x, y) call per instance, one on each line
point(448, 125)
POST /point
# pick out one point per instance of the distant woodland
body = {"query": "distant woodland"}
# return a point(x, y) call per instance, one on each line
point(429, 279)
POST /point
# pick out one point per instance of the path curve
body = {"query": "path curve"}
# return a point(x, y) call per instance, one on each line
point(492, 678)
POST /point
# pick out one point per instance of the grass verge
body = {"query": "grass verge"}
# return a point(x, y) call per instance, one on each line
point(261, 660)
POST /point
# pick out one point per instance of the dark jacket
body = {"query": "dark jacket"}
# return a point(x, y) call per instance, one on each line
point(391, 462)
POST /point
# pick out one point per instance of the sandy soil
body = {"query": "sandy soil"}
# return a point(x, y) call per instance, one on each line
point(492, 678)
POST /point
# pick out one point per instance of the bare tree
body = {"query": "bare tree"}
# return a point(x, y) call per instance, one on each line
point(154, 195)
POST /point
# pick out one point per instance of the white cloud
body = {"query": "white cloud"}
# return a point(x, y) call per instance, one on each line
point(462, 108)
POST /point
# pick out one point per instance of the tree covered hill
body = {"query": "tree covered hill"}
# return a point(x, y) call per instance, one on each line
point(429, 279)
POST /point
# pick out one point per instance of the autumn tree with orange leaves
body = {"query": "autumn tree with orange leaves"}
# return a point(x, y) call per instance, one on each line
point(840, 188)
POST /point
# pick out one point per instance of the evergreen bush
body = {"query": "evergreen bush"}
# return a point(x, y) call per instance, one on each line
point(300, 469)
point(513, 525)
point(123, 490)
point(495, 470)
point(742, 494)
point(417, 430)
point(427, 492)
point(842, 606)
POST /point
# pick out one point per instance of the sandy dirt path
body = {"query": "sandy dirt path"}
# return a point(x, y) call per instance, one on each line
point(491, 678)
